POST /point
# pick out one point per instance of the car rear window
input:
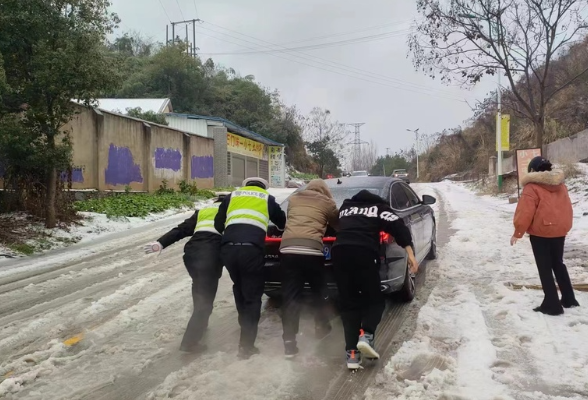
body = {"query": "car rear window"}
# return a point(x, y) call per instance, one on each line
point(340, 194)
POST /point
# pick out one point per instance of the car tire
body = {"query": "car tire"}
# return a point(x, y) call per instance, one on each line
point(432, 255)
point(408, 290)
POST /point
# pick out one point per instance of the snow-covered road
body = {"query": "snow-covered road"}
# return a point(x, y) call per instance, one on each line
point(477, 338)
point(104, 321)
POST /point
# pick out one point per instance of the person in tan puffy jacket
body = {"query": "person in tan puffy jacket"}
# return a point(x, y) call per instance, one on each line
point(302, 259)
point(545, 213)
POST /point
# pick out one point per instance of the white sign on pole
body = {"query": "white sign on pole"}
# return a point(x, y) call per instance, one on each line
point(277, 166)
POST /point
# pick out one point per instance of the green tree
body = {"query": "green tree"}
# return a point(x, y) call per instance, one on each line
point(132, 44)
point(138, 112)
point(209, 89)
point(53, 53)
point(3, 85)
point(324, 140)
point(324, 157)
point(389, 164)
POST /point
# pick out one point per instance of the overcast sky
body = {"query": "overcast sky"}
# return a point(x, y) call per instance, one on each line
point(370, 81)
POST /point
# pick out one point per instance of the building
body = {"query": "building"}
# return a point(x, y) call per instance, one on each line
point(239, 153)
point(117, 152)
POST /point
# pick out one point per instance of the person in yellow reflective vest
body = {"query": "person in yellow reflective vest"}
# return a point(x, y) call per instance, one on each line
point(243, 218)
point(203, 262)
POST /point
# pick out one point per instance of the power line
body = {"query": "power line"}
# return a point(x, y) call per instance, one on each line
point(412, 87)
point(413, 90)
point(196, 10)
point(347, 32)
point(180, 7)
point(165, 11)
point(361, 39)
point(330, 63)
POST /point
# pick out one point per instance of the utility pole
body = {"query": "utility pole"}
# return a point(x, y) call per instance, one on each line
point(357, 144)
point(191, 49)
point(416, 132)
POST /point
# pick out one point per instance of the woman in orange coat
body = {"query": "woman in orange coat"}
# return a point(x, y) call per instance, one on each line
point(545, 213)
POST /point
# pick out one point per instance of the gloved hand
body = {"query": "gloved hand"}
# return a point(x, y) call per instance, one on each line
point(154, 247)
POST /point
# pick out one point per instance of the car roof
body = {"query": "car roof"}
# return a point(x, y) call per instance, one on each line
point(361, 182)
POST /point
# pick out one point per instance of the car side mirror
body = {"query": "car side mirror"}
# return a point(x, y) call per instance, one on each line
point(428, 200)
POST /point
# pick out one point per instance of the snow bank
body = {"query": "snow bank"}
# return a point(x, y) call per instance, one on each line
point(93, 225)
point(476, 338)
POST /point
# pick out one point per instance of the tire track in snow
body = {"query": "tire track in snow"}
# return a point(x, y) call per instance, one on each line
point(398, 323)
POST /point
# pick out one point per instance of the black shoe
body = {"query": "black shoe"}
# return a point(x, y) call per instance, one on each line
point(547, 311)
point(193, 348)
point(290, 348)
point(322, 330)
point(246, 352)
point(570, 304)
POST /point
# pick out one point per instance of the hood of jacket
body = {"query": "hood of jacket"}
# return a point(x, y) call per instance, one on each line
point(365, 196)
point(550, 180)
point(309, 212)
point(319, 186)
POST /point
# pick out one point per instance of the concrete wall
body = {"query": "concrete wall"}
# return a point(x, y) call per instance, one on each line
point(221, 173)
point(112, 151)
point(568, 150)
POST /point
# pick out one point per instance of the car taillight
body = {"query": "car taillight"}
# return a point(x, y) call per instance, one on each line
point(272, 240)
point(385, 238)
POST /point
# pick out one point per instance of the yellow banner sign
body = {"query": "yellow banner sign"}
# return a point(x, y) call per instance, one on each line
point(245, 147)
point(505, 132)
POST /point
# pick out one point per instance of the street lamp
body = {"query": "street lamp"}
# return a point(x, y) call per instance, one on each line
point(498, 113)
point(416, 132)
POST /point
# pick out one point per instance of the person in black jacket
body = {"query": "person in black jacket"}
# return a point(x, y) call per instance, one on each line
point(243, 218)
point(203, 262)
point(356, 264)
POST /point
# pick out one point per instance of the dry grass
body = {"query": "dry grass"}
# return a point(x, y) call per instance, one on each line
point(571, 170)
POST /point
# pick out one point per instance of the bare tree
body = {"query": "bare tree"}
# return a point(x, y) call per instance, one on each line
point(324, 140)
point(368, 155)
point(463, 40)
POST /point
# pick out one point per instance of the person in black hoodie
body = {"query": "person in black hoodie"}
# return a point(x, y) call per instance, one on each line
point(357, 269)
point(203, 262)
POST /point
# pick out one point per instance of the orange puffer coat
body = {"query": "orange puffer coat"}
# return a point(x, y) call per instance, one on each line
point(545, 209)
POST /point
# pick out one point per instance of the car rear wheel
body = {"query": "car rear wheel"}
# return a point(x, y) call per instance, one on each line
point(432, 255)
point(408, 290)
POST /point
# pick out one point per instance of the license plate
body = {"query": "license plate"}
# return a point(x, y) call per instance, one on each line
point(327, 252)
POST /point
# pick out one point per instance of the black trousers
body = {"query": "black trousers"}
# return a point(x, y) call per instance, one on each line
point(205, 268)
point(245, 265)
point(296, 271)
point(357, 272)
point(548, 254)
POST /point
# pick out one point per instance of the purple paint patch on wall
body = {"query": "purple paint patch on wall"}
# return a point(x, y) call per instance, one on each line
point(77, 175)
point(202, 167)
point(121, 169)
point(168, 159)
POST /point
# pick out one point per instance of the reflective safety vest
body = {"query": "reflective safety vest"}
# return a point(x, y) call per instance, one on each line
point(248, 205)
point(205, 221)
